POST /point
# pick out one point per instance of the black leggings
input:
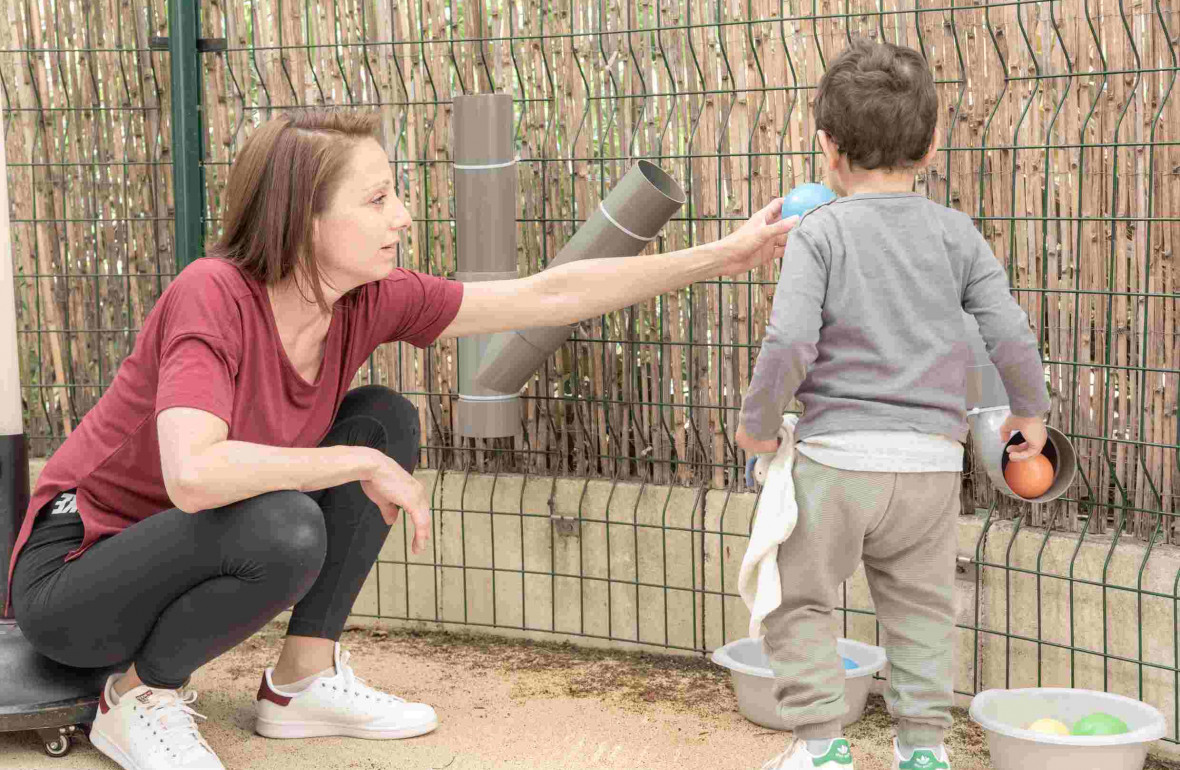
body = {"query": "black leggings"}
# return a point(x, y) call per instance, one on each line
point(174, 591)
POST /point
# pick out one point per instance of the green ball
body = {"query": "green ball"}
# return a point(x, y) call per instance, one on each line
point(1100, 724)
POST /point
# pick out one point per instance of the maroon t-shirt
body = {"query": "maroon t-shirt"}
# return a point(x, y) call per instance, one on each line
point(211, 343)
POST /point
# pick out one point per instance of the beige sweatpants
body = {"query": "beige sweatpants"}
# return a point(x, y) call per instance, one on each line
point(903, 525)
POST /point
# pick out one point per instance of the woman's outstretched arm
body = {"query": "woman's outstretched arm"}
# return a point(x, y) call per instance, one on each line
point(583, 289)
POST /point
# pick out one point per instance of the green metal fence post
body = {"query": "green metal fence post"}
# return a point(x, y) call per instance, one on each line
point(187, 183)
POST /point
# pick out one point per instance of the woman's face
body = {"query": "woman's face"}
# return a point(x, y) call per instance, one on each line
point(356, 236)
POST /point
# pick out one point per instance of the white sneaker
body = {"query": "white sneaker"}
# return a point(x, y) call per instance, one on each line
point(151, 729)
point(797, 757)
point(922, 759)
point(338, 705)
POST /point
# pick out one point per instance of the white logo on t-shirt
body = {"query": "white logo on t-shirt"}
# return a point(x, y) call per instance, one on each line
point(66, 502)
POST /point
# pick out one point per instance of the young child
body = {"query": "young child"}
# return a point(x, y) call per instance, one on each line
point(868, 332)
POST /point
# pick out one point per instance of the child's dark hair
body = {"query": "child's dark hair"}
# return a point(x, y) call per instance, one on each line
point(877, 101)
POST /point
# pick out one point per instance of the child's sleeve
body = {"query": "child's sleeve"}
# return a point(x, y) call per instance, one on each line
point(789, 346)
point(1003, 324)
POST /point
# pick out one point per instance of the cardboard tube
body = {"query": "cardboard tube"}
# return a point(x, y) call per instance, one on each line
point(485, 218)
point(14, 457)
point(622, 225)
point(987, 408)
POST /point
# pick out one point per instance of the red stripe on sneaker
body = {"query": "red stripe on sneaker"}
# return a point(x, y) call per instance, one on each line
point(266, 693)
point(103, 706)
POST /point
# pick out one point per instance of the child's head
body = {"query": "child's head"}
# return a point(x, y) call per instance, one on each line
point(877, 109)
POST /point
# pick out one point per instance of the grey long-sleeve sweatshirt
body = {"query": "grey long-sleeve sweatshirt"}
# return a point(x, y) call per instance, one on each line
point(867, 326)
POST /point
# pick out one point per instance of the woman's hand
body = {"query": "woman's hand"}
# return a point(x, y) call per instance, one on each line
point(761, 239)
point(393, 489)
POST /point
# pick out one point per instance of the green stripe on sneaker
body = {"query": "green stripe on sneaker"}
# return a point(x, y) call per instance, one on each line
point(839, 753)
point(924, 760)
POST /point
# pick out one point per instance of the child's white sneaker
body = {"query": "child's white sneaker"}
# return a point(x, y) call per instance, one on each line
point(922, 759)
point(797, 757)
point(150, 728)
point(338, 705)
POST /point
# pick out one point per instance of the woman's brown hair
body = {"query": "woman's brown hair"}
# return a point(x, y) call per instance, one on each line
point(283, 177)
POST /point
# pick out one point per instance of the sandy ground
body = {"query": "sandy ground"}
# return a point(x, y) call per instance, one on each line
point(508, 704)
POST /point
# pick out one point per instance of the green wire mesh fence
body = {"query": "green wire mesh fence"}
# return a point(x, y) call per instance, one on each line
point(1058, 135)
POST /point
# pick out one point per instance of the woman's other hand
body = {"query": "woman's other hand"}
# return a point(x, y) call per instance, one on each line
point(393, 489)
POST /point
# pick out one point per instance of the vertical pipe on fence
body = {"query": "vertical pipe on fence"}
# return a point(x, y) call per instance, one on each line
point(485, 222)
point(187, 187)
point(14, 459)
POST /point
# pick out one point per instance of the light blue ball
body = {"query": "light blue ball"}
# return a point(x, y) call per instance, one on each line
point(804, 198)
point(848, 663)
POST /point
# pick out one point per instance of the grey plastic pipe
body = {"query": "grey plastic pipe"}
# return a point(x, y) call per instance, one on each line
point(10, 411)
point(624, 223)
point(485, 222)
point(14, 456)
point(987, 408)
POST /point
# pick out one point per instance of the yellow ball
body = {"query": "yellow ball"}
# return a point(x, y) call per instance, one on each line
point(1049, 727)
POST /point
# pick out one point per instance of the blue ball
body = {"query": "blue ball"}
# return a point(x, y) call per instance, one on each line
point(804, 198)
point(850, 664)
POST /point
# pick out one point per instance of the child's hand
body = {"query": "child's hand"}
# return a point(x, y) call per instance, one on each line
point(755, 446)
point(1032, 430)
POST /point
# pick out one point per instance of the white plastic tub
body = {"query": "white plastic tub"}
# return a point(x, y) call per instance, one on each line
point(1004, 714)
point(753, 681)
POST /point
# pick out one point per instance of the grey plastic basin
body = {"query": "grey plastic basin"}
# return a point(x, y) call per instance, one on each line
point(753, 681)
point(1004, 714)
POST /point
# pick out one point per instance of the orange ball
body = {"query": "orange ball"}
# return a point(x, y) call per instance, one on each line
point(1029, 478)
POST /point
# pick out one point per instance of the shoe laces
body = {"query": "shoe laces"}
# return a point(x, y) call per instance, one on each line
point(171, 711)
point(355, 687)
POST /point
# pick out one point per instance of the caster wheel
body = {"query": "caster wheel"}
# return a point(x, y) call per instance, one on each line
point(57, 743)
point(58, 747)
